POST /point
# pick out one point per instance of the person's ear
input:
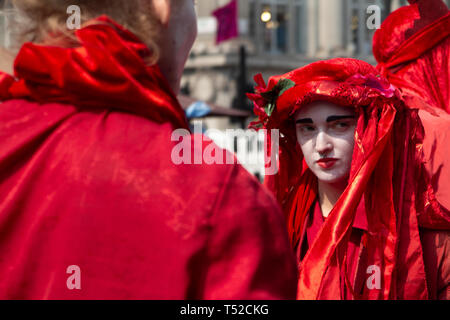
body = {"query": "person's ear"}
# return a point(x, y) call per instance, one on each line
point(162, 10)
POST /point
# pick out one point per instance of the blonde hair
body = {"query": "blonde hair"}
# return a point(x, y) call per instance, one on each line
point(48, 18)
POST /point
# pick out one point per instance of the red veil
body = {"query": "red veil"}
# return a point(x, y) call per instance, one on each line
point(387, 172)
point(412, 48)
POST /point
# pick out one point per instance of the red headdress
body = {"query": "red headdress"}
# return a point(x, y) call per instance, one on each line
point(386, 169)
point(412, 48)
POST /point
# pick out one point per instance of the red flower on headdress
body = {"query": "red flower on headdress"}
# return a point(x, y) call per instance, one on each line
point(265, 98)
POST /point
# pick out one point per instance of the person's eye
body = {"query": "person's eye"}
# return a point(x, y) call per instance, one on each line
point(307, 129)
point(341, 126)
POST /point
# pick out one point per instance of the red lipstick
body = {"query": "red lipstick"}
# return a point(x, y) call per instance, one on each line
point(326, 163)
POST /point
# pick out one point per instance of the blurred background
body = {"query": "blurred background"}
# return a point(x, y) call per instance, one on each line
point(240, 38)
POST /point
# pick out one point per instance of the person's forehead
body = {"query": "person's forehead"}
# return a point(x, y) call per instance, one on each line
point(320, 110)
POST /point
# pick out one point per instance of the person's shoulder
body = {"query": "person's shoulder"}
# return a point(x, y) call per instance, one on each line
point(155, 152)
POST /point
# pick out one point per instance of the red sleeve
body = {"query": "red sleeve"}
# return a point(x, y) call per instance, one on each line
point(248, 252)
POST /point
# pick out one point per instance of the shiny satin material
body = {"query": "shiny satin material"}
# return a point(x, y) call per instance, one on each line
point(387, 168)
point(356, 261)
point(417, 61)
point(87, 180)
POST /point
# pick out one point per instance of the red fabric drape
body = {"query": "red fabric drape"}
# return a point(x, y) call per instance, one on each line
point(413, 52)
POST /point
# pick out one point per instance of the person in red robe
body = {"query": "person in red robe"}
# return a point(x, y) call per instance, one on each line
point(355, 184)
point(412, 48)
point(92, 205)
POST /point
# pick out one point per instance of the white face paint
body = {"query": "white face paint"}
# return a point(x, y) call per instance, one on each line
point(325, 133)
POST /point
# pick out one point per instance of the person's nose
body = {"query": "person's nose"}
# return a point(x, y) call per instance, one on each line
point(323, 143)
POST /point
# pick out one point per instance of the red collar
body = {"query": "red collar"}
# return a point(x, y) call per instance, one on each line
point(315, 221)
point(106, 70)
point(360, 221)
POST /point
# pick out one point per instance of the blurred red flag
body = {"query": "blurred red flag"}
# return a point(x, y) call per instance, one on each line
point(227, 20)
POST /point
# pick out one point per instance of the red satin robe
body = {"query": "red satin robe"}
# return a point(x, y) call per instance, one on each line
point(356, 253)
point(435, 246)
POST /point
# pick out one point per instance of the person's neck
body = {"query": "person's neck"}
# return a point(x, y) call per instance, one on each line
point(169, 66)
point(6, 61)
point(329, 194)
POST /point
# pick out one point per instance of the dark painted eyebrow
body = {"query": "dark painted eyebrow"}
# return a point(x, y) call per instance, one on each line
point(329, 119)
point(334, 118)
point(304, 120)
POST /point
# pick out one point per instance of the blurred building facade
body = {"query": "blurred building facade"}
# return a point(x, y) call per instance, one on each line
point(278, 35)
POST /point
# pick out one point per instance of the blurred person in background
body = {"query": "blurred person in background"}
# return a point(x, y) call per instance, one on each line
point(91, 204)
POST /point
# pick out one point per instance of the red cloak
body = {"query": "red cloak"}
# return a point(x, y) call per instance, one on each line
point(90, 196)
